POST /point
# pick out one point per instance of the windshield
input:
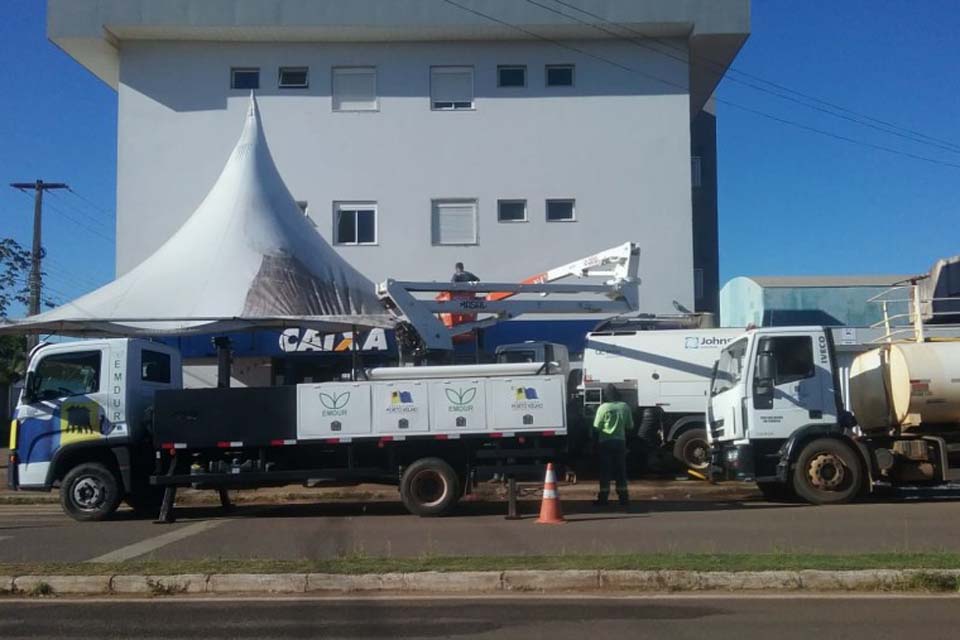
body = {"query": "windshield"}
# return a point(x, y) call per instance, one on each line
point(506, 357)
point(729, 367)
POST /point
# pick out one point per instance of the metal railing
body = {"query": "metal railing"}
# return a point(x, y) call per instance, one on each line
point(903, 318)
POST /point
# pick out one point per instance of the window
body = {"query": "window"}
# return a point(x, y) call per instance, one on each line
point(559, 75)
point(729, 367)
point(155, 366)
point(793, 355)
point(244, 78)
point(293, 78)
point(355, 222)
point(560, 211)
point(355, 89)
point(451, 88)
point(695, 171)
point(454, 222)
point(698, 284)
point(512, 210)
point(511, 76)
point(67, 374)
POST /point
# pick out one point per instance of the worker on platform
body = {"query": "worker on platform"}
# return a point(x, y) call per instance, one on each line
point(460, 275)
point(613, 419)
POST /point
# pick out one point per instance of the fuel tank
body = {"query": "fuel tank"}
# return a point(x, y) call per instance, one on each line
point(905, 385)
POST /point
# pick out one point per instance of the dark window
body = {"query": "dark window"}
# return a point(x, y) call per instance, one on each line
point(559, 75)
point(508, 357)
point(67, 374)
point(512, 76)
point(512, 210)
point(560, 211)
point(356, 223)
point(244, 78)
point(155, 366)
point(293, 78)
point(793, 355)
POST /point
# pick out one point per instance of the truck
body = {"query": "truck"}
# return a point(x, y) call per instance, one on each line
point(107, 420)
point(807, 418)
point(664, 374)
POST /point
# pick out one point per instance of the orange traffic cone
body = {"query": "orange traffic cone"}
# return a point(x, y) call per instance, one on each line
point(550, 506)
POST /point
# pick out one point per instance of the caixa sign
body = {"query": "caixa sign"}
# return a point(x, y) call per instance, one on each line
point(301, 340)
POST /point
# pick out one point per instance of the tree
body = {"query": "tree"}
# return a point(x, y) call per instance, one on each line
point(14, 287)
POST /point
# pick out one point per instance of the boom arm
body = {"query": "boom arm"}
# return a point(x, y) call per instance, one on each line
point(618, 294)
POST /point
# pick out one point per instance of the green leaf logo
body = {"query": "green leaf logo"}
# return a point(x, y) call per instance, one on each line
point(334, 402)
point(461, 397)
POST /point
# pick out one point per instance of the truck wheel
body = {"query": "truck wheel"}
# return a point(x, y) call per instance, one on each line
point(429, 487)
point(89, 492)
point(827, 472)
point(692, 449)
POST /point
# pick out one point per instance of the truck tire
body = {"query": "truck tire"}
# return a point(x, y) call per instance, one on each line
point(429, 487)
point(90, 492)
point(692, 449)
point(827, 472)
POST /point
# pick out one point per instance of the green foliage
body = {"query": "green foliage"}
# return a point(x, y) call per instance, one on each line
point(14, 267)
point(13, 351)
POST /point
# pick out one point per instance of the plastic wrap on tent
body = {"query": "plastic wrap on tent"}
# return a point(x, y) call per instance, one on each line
point(246, 258)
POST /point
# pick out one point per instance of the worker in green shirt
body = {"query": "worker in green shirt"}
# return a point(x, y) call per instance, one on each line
point(610, 425)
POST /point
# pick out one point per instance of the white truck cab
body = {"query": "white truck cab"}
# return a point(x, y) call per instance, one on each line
point(84, 406)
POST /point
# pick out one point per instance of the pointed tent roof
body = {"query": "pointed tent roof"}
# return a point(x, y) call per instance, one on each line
point(247, 258)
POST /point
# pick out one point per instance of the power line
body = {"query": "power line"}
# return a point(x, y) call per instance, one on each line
point(730, 74)
point(104, 210)
point(718, 99)
point(79, 223)
point(95, 220)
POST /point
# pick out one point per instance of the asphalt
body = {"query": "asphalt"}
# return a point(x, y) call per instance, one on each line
point(575, 618)
point(40, 533)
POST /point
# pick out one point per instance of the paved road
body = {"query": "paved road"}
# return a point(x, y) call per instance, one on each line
point(528, 617)
point(41, 533)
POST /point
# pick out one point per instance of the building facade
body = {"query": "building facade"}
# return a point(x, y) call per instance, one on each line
point(512, 136)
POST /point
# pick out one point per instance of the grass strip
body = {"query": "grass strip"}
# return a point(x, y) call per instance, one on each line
point(360, 563)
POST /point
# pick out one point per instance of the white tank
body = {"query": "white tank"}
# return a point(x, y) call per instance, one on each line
point(907, 384)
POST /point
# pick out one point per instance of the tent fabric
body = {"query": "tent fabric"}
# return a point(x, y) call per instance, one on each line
point(247, 258)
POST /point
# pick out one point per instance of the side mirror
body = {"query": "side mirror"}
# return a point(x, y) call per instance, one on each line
point(763, 381)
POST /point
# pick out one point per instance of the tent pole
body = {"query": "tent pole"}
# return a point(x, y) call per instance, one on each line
point(222, 343)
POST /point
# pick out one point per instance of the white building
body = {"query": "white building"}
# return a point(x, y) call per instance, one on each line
point(510, 135)
point(419, 133)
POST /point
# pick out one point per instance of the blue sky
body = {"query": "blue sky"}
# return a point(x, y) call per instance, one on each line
point(791, 201)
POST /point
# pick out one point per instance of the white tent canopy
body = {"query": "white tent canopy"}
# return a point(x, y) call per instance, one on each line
point(247, 258)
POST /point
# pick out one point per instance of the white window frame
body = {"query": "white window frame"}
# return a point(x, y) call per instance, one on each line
point(353, 205)
point(526, 212)
point(292, 68)
point(546, 75)
point(573, 210)
point(354, 70)
point(233, 72)
point(454, 69)
point(501, 67)
point(435, 239)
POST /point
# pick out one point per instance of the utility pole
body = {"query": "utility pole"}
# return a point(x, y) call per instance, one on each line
point(35, 284)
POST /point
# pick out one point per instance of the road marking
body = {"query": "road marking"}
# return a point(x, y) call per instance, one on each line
point(151, 544)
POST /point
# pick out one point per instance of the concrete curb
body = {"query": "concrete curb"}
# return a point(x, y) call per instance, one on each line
point(481, 582)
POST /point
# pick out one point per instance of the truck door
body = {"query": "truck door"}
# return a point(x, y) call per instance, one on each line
point(794, 397)
point(63, 404)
